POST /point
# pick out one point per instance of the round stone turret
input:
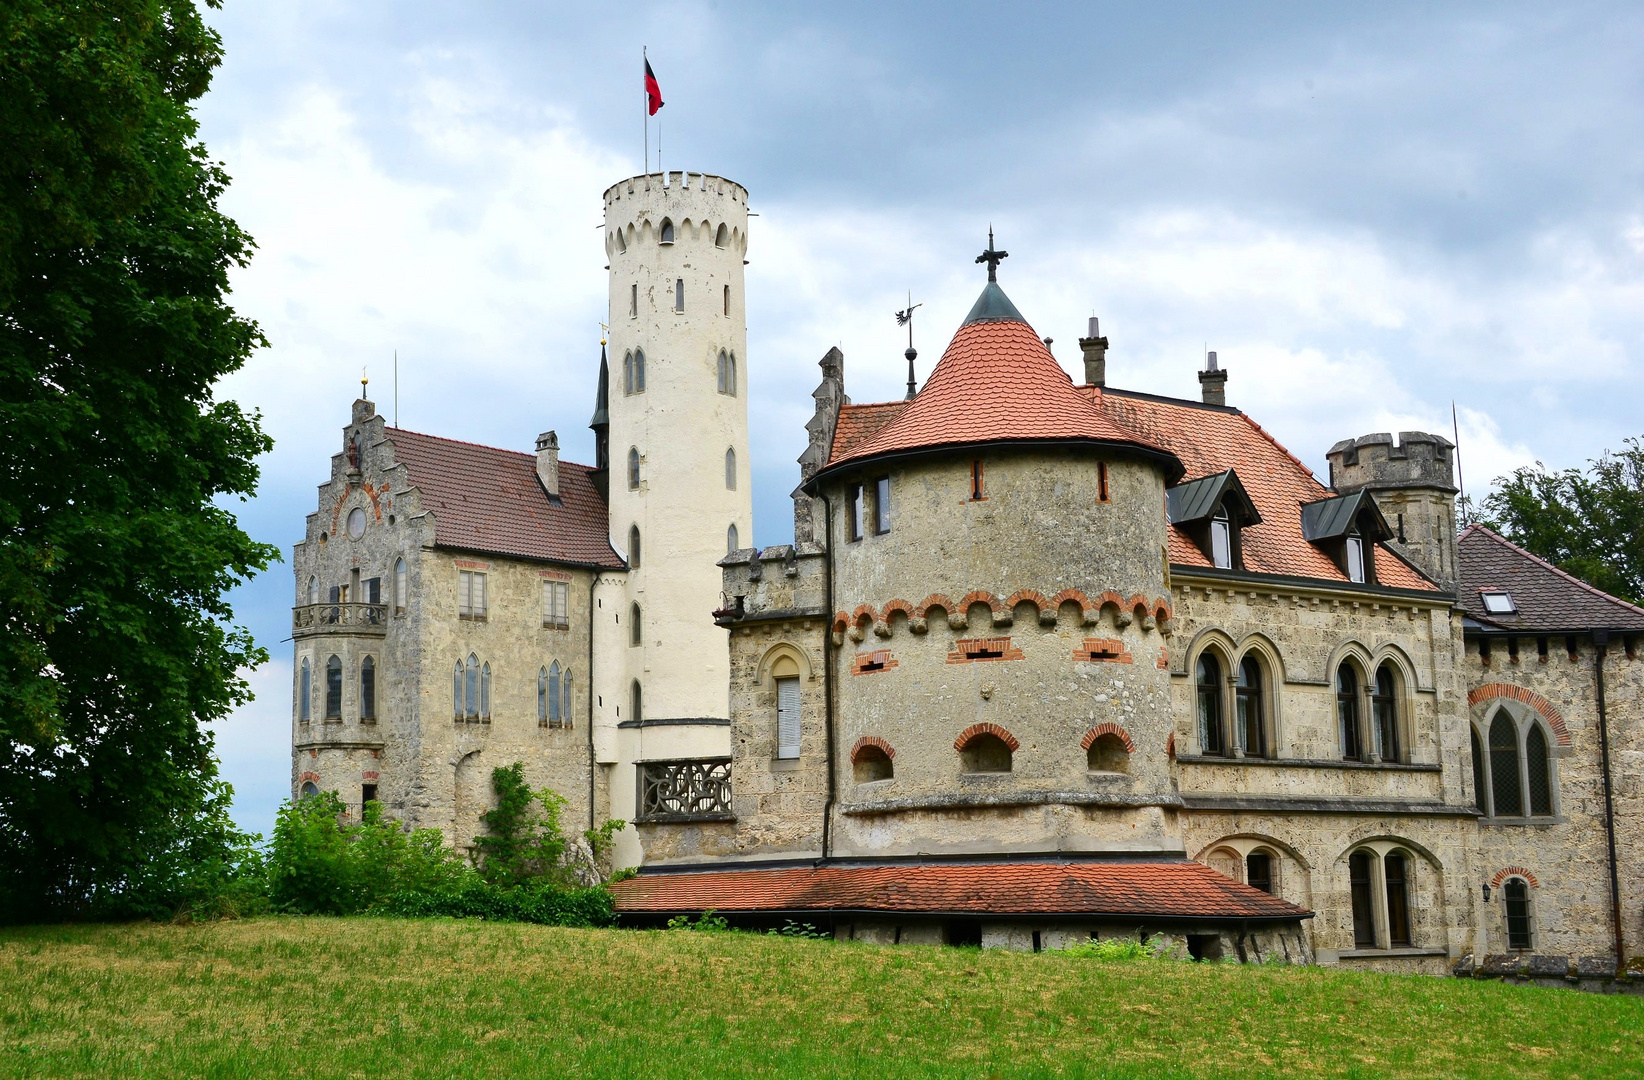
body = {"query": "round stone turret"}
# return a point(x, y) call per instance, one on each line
point(1413, 481)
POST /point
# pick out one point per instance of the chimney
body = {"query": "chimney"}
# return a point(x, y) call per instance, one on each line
point(1213, 382)
point(1095, 349)
point(548, 462)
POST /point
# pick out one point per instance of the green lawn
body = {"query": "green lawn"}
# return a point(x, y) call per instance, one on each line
point(376, 998)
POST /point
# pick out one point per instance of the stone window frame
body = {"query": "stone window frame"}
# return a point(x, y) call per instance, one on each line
point(1363, 660)
point(1217, 686)
point(471, 683)
point(633, 372)
point(554, 696)
point(782, 660)
point(305, 692)
point(556, 604)
point(1523, 720)
point(334, 668)
point(730, 468)
point(1271, 662)
point(401, 579)
point(881, 505)
point(467, 610)
point(727, 381)
point(368, 689)
point(1413, 862)
point(635, 476)
point(636, 625)
point(634, 544)
point(1291, 873)
point(733, 539)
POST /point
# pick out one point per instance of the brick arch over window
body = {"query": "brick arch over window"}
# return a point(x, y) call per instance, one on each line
point(1491, 691)
point(1108, 729)
point(974, 730)
point(1511, 872)
point(872, 740)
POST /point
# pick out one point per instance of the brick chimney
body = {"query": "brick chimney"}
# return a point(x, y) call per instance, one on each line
point(1095, 349)
point(548, 462)
point(1213, 382)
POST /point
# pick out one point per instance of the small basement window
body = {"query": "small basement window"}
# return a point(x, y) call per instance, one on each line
point(1498, 603)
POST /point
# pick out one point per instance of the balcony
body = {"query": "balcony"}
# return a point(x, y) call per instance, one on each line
point(697, 789)
point(367, 620)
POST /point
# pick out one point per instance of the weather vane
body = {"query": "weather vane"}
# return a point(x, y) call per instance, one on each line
point(992, 258)
point(363, 381)
point(604, 332)
point(905, 318)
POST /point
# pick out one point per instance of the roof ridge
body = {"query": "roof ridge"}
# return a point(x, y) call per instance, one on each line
point(1533, 557)
point(389, 432)
point(1300, 464)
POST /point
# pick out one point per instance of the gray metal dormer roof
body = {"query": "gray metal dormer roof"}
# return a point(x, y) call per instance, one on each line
point(1197, 500)
point(1335, 517)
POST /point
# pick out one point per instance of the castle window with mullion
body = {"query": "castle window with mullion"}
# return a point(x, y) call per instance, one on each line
point(1209, 695)
point(1347, 713)
point(1247, 697)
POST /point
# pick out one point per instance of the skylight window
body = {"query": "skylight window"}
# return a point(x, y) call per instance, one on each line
point(1498, 603)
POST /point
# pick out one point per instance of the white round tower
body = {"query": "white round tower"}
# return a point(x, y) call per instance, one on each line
point(678, 436)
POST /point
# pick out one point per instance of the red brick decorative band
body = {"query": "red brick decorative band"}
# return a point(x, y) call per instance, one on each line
point(1108, 729)
point(866, 663)
point(1513, 871)
point(1137, 605)
point(975, 650)
point(974, 730)
point(871, 740)
point(1102, 651)
point(1489, 691)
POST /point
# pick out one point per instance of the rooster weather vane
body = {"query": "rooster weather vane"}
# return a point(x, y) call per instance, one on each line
point(905, 318)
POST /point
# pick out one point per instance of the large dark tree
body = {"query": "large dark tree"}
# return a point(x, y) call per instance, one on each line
point(116, 645)
point(1589, 524)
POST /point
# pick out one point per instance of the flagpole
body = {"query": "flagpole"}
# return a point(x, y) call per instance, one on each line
point(646, 108)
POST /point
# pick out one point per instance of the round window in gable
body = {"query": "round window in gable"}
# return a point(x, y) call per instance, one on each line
point(356, 522)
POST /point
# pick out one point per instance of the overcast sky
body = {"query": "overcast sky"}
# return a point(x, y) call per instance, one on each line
point(1369, 211)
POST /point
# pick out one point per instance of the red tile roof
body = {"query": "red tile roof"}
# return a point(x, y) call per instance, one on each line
point(996, 382)
point(1547, 598)
point(859, 423)
point(489, 500)
point(1144, 889)
point(1210, 440)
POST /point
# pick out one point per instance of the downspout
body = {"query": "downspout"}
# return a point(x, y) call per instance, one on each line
point(592, 767)
point(827, 670)
point(1601, 641)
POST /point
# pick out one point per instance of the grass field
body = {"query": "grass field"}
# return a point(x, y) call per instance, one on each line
point(375, 998)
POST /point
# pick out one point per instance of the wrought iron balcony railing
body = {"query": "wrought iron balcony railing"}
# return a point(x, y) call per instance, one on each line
point(339, 618)
point(696, 789)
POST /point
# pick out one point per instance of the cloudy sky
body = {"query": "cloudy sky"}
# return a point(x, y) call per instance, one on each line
point(1369, 211)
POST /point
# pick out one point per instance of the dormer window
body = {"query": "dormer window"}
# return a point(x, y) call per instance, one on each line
point(1214, 511)
point(1347, 528)
point(1498, 603)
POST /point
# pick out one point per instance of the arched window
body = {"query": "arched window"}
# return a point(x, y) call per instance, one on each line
point(333, 688)
point(639, 371)
point(633, 468)
point(305, 692)
point(727, 295)
point(565, 699)
point(457, 681)
point(1210, 705)
point(471, 686)
point(1221, 540)
point(730, 469)
point(313, 589)
point(1107, 753)
point(1360, 867)
point(723, 236)
point(368, 689)
point(1537, 771)
point(1347, 713)
point(667, 236)
point(1384, 707)
point(731, 540)
point(679, 294)
point(628, 373)
point(485, 690)
point(636, 632)
point(1505, 790)
point(1481, 789)
point(542, 697)
point(1247, 701)
point(872, 763)
point(727, 372)
point(633, 547)
point(399, 586)
point(310, 789)
point(555, 703)
point(1258, 871)
point(1394, 870)
point(636, 702)
point(1520, 932)
point(985, 753)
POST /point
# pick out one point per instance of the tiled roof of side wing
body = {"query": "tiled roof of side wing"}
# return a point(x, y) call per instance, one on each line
point(859, 423)
point(1545, 597)
point(490, 500)
point(997, 382)
point(1210, 440)
point(1120, 888)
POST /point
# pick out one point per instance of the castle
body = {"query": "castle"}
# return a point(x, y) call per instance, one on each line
point(1046, 660)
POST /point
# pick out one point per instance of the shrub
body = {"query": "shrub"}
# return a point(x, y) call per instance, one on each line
point(322, 864)
point(1113, 949)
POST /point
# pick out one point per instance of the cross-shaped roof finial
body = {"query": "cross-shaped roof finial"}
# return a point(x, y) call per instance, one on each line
point(992, 257)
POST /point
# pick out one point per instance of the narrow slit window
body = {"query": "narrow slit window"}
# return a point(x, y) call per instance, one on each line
point(633, 547)
point(333, 688)
point(1384, 705)
point(368, 689)
point(881, 505)
point(639, 371)
point(636, 702)
point(732, 540)
point(636, 633)
point(1540, 774)
point(977, 489)
point(1360, 884)
point(556, 717)
point(854, 512)
point(633, 301)
point(1517, 896)
point(1248, 704)
point(485, 690)
point(1347, 713)
point(727, 296)
point(305, 693)
point(399, 586)
point(1101, 481)
point(1394, 869)
point(679, 294)
point(633, 468)
point(730, 469)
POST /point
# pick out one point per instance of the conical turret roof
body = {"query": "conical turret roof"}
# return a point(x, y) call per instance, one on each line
point(602, 397)
point(998, 383)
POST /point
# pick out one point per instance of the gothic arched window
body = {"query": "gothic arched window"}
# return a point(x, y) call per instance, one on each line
point(1247, 701)
point(633, 547)
point(471, 686)
point(368, 689)
point(1538, 772)
point(1480, 788)
point(1347, 713)
point(399, 586)
point(485, 690)
point(1505, 790)
point(305, 692)
point(732, 542)
point(1209, 695)
point(633, 468)
point(636, 702)
point(667, 235)
point(628, 373)
point(636, 630)
point(333, 688)
point(730, 469)
point(1384, 706)
point(727, 372)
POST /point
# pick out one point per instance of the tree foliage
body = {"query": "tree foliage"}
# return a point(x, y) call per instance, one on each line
point(321, 863)
point(117, 645)
point(1589, 524)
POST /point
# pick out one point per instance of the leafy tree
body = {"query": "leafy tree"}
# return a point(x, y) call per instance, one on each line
point(1589, 524)
point(523, 841)
point(117, 646)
